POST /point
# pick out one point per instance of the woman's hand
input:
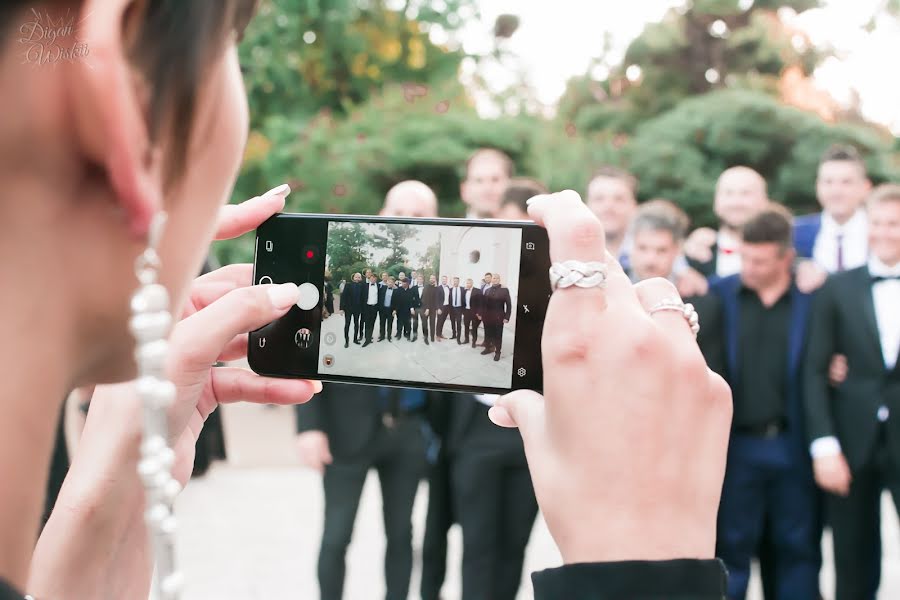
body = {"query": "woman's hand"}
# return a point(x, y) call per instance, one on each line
point(627, 445)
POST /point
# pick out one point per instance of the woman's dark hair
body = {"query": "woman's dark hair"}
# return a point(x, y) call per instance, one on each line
point(175, 45)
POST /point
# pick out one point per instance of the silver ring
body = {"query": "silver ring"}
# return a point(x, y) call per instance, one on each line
point(577, 273)
point(687, 311)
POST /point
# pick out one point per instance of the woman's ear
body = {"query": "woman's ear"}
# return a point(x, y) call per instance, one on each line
point(108, 104)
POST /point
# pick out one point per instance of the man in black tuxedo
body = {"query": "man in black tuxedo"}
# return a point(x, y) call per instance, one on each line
point(495, 312)
point(386, 299)
point(456, 309)
point(853, 427)
point(471, 307)
point(431, 302)
point(370, 308)
point(485, 282)
point(443, 310)
point(420, 307)
point(343, 433)
point(404, 305)
point(352, 309)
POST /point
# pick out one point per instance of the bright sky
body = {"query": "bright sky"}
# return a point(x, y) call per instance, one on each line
point(558, 39)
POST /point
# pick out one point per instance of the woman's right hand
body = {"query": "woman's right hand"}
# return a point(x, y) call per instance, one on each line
point(627, 445)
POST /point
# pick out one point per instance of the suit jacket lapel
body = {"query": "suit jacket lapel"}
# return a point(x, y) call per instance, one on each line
point(867, 307)
point(797, 336)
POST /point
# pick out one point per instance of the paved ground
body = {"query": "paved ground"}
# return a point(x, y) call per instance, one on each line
point(443, 361)
point(250, 529)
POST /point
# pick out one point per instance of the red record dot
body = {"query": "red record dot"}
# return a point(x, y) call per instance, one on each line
point(310, 254)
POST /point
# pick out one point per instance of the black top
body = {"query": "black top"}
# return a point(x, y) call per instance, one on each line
point(633, 580)
point(760, 396)
point(7, 593)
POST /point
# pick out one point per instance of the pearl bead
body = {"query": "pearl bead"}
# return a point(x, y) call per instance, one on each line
point(159, 393)
point(168, 525)
point(172, 489)
point(157, 514)
point(148, 468)
point(150, 298)
point(172, 584)
point(153, 445)
point(150, 326)
point(166, 457)
point(152, 357)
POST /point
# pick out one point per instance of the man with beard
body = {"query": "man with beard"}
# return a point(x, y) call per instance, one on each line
point(443, 310)
point(431, 302)
point(420, 308)
point(471, 307)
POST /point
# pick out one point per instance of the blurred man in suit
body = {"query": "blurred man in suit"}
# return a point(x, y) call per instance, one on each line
point(487, 174)
point(444, 307)
point(741, 193)
point(768, 479)
point(471, 307)
point(347, 430)
point(404, 305)
point(612, 196)
point(486, 282)
point(419, 309)
point(853, 427)
point(352, 309)
point(386, 295)
point(495, 312)
point(431, 302)
point(657, 234)
point(456, 309)
point(837, 238)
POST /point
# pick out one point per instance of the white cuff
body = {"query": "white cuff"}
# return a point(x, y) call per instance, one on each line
point(824, 447)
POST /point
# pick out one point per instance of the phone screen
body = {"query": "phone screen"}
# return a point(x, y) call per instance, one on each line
point(430, 303)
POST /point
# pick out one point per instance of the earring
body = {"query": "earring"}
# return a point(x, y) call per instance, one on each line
point(150, 324)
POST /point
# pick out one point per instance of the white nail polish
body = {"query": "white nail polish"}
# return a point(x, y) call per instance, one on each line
point(283, 189)
point(284, 295)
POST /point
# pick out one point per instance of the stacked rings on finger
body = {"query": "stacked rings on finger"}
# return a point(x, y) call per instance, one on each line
point(686, 310)
point(577, 273)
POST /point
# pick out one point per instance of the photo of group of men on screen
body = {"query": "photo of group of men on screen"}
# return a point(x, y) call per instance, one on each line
point(393, 308)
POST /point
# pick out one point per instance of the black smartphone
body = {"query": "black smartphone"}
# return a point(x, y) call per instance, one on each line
point(445, 304)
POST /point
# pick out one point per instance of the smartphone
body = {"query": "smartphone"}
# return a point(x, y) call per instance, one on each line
point(452, 304)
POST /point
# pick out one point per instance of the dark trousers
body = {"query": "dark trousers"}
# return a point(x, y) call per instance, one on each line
point(438, 521)
point(471, 324)
point(493, 336)
point(432, 322)
point(456, 321)
point(352, 317)
point(420, 315)
point(856, 525)
point(497, 508)
point(386, 316)
point(441, 319)
point(404, 323)
point(370, 313)
point(769, 482)
point(398, 454)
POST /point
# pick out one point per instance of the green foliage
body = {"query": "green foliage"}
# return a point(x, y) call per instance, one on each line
point(679, 154)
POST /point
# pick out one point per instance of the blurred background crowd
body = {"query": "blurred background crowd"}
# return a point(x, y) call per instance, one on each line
point(696, 131)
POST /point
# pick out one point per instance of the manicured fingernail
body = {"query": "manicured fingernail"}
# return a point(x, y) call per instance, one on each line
point(283, 189)
point(317, 387)
point(535, 199)
point(284, 295)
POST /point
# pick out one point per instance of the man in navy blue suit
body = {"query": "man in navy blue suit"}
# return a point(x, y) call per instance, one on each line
point(768, 480)
point(835, 239)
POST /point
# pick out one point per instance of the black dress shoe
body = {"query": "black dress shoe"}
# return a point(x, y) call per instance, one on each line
point(368, 342)
point(357, 342)
point(426, 342)
point(473, 344)
point(497, 357)
point(389, 339)
point(347, 344)
point(381, 339)
point(485, 351)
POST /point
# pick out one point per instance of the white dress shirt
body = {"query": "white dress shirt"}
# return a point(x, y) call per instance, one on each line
point(886, 297)
point(854, 241)
point(421, 289)
point(373, 295)
point(728, 254)
point(468, 299)
point(446, 294)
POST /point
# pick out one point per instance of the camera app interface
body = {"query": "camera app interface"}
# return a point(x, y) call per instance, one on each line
point(420, 303)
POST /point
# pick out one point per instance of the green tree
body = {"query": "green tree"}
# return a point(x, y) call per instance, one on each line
point(345, 253)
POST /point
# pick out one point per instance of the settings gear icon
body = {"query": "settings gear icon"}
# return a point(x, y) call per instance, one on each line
point(522, 372)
